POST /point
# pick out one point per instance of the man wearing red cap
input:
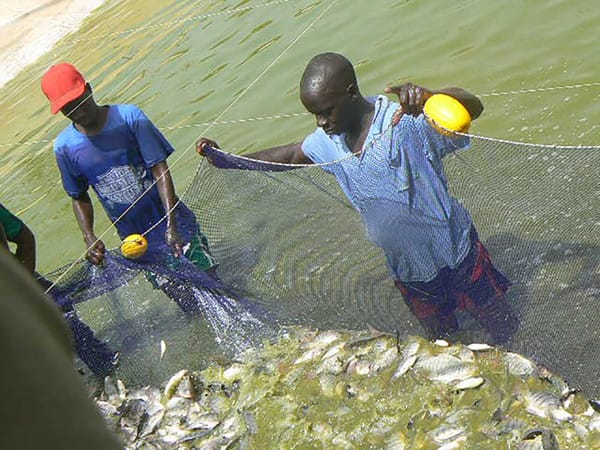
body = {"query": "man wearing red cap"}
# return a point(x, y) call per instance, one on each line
point(121, 154)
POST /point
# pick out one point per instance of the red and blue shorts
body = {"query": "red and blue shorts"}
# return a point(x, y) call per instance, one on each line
point(473, 286)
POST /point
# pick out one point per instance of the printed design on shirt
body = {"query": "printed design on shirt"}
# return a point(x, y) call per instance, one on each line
point(122, 184)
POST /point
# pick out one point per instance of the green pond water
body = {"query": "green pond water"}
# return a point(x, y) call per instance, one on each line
point(230, 70)
point(189, 63)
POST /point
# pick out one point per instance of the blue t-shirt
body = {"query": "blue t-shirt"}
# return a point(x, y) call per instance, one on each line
point(398, 185)
point(117, 164)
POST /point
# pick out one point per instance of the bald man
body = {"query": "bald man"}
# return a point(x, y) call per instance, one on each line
point(428, 237)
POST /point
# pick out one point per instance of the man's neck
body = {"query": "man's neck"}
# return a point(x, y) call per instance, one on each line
point(355, 138)
point(98, 123)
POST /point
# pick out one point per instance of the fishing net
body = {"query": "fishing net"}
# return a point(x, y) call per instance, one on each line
point(158, 312)
point(291, 240)
point(293, 250)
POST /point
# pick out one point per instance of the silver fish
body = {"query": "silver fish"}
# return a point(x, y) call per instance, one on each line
point(309, 355)
point(469, 383)
point(186, 388)
point(546, 404)
point(334, 350)
point(594, 424)
point(386, 359)
point(163, 348)
point(446, 368)
point(173, 382)
point(479, 347)
point(410, 349)
point(404, 366)
point(454, 445)
point(152, 420)
point(204, 421)
point(519, 365)
point(445, 433)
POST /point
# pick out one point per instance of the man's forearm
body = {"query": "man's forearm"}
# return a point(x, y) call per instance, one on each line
point(284, 154)
point(25, 252)
point(84, 213)
point(3, 238)
point(166, 190)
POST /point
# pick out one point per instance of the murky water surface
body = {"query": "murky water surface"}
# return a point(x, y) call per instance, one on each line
point(189, 64)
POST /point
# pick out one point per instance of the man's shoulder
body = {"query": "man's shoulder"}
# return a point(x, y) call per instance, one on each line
point(126, 107)
point(127, 111)
point(316, 134)
point(321, 148)
point(64, 139)
point(315, 139)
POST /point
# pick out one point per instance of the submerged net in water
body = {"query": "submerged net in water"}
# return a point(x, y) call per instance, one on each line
point(158, 312)
point(294, 250)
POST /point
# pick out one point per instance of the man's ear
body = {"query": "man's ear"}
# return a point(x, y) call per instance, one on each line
point(352, 91)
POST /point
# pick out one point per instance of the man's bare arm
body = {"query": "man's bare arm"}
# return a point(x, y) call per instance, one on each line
point(84, 213)
point(284, 154)
point(25, 251)
point(3, 238)
point(166, 191)
point(469, 101)
point(412, 99)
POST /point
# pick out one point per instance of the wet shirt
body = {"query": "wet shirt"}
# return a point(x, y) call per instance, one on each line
point(11, 223)
point(117, 164)
point(398, 185)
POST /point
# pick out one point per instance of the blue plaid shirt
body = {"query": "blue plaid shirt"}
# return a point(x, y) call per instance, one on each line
point(398, 186)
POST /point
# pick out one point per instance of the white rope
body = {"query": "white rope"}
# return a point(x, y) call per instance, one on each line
point(236, 121)
point(534, 90)
point(528, 144)
point(304, 114)
point(180, 21)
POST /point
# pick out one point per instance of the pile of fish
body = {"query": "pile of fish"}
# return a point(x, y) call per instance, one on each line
point(348, 389)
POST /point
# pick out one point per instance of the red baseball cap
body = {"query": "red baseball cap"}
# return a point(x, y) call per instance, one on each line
point(62, 83)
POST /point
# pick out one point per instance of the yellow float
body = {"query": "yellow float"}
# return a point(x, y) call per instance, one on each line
point(446, 114)
point(134, 246)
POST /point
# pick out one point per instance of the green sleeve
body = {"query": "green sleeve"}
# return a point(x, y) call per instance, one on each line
point(11, 223)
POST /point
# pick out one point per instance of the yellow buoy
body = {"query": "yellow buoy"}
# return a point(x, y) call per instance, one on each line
point(447, 114)
point(134, 246)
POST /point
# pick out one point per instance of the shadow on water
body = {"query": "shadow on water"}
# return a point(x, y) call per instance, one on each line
point(556, 287)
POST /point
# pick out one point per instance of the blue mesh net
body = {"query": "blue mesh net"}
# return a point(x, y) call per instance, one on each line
point(292, 249)
point(159, 313)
